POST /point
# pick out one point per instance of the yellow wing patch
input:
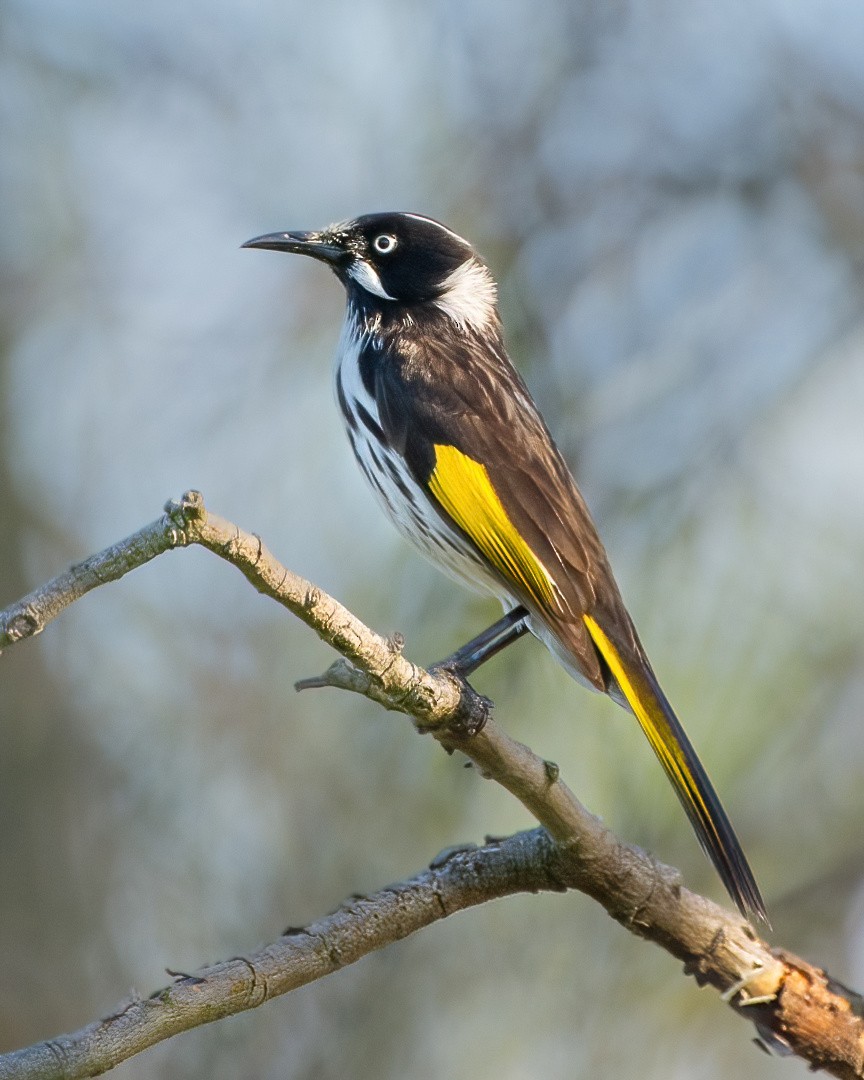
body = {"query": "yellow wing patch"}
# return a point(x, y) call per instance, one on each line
point(655, 725)
point(463, 488)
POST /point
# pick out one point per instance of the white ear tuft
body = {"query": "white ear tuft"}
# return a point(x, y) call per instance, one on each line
point(470, 296)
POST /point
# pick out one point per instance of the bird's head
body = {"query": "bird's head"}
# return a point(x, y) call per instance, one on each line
point(399, 260)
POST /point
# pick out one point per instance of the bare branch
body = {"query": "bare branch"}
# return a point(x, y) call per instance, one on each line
point(394, 682)
point(795, 1007)
point(302, 955)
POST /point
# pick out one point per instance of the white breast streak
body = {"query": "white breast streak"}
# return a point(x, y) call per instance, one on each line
point(347, 366)
point(368, 279)
point(469, 296)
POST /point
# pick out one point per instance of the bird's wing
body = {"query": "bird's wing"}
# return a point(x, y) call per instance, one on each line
point(475, 442)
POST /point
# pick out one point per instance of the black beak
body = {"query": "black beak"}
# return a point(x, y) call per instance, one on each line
point(299, 243)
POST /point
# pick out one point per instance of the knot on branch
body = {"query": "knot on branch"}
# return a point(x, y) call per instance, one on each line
point(182, 513)
point(22, 624)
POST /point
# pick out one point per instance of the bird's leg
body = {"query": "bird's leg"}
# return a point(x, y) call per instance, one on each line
point(474, 708)
point(487, 644)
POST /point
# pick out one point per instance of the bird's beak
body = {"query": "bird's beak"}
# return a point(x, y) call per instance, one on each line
point(300, 243)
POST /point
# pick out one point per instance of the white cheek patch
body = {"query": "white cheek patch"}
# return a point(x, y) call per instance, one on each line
point(470, 296)
point(368, 279)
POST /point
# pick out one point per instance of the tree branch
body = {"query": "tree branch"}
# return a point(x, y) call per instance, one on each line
point(796, 1008)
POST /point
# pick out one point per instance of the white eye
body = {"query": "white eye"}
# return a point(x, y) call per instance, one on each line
point(384, 244)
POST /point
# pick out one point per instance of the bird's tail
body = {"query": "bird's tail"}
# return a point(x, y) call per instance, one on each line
point(638, 684)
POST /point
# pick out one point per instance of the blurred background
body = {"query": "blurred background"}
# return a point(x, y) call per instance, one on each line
point(672, 196)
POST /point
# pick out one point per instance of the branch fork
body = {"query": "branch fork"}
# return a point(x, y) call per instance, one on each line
point(795, 1007)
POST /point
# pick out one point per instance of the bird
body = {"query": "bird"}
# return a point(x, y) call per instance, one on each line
point(446, 432)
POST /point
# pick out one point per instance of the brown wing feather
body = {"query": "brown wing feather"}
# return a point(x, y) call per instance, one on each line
point(473, 399)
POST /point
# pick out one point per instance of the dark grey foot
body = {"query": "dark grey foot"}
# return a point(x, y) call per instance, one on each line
point(474, 709)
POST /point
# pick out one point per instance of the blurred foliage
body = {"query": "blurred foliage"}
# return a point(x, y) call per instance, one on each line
point(673, 199)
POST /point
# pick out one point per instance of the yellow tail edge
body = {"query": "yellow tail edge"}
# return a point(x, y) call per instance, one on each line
point(683, 768)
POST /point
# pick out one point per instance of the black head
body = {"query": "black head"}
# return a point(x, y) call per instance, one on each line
point(399, 258)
